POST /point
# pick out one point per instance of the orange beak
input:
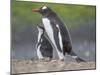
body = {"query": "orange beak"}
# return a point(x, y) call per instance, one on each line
point(36, 10)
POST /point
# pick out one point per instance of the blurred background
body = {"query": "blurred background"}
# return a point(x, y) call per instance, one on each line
point(79, 19)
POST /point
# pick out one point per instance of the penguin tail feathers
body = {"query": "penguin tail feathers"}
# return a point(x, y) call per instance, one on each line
point(80, 60)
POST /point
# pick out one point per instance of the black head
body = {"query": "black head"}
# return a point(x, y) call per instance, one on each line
point(45, 11)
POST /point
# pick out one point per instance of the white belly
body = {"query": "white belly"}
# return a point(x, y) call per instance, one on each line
point(48, 29)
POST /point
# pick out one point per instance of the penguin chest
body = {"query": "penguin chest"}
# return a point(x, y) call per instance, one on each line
point(53, 34)
point(48, 28)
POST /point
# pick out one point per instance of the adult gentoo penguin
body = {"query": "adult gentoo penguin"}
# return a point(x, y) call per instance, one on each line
point(57, 33)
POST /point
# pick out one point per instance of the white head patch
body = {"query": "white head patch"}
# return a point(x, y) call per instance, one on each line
point(44, 7)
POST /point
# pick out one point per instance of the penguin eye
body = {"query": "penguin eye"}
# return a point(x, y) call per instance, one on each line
point(44, 10)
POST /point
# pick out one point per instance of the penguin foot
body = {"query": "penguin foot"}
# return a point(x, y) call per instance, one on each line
point(61, 59)
point(45, 59)
point(42, 59)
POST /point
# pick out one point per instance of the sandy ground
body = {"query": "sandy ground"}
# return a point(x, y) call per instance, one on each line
point(26, 66)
